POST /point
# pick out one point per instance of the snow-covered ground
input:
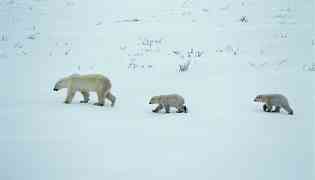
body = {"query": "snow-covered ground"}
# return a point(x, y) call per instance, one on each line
point(237, 49)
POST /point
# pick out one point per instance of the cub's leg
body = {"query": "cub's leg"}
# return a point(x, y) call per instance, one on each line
point(182, 109)
point(277, 109)
point(167, 108)
point(158, 108)
point(112, 98)
point(185, 109)
point(70, 95)
point(86, 96)
point(267, 108)
point(288, 109)
point(101, 98)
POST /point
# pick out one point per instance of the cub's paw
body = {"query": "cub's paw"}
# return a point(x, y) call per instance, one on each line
point(67, 102)
point(84, 101)
point(113, 104)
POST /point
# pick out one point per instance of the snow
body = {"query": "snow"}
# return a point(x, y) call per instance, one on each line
point(225, 135)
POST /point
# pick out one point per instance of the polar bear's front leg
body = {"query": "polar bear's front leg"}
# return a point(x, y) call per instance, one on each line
point(158, 108)
point(86, 96)
point(70, 95)
point(267, 107)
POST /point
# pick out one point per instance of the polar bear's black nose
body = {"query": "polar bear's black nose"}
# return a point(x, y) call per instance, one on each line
point(55, 89)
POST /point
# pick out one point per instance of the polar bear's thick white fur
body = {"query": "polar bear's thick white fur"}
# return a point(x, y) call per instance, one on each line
point(167, 101)
point(85, 84)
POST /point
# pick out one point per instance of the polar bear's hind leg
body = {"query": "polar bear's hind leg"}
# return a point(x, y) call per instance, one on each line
point(182, 109)
point(277, 109)
point(112, 98)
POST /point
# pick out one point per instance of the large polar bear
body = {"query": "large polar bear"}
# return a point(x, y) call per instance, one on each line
point(85, 84)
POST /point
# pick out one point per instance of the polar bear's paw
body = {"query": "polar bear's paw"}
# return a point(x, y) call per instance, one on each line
point(84, 101)
point(67, 102)
point(98, 104)
point(113, 103)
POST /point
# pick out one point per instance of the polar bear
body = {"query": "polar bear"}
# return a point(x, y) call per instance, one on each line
point(85, 84)
point(167, 101)
point(274, 100)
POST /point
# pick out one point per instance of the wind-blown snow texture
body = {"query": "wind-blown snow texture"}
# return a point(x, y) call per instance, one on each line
point(236, 50)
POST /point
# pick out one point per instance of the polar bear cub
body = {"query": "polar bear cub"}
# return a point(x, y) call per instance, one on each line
point(86, 84)
point(274, 100)
point(167, 101)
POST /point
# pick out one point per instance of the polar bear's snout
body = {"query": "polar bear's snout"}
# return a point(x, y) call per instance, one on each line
point(56, 88)
point(59, 85)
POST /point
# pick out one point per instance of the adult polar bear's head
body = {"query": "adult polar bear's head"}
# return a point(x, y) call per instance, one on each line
point(155, 100)
point(64, 82)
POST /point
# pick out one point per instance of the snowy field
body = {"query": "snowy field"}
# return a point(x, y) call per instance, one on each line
point(236, 50)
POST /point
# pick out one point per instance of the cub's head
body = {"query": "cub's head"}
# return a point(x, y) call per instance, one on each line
point(259, 98)
point(155, 100)
point(61, 84)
